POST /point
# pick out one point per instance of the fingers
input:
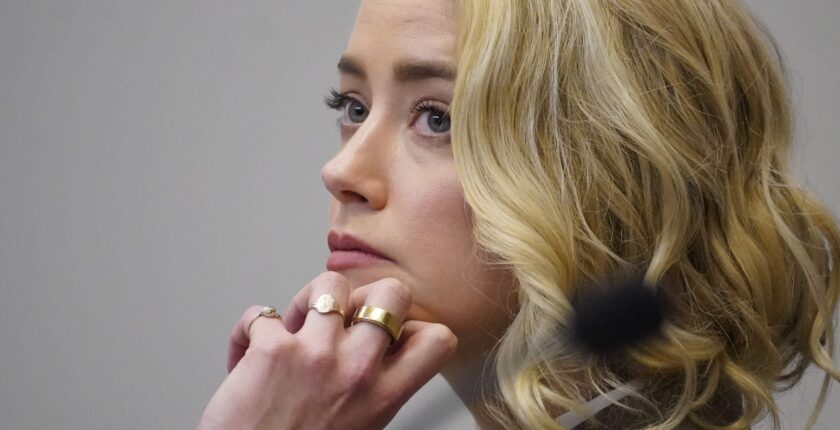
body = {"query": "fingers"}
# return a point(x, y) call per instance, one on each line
point(371, 340)
point(425, 349)
point(325, 327)
point(248, 330)
point(298, 309)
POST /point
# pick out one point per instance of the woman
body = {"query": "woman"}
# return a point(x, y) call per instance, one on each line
point(588, 138)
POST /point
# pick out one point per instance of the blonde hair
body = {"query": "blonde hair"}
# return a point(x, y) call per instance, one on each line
point(593, 136)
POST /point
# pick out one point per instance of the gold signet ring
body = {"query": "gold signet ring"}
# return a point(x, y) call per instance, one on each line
point(325, 303)
point(268, 312)
point(380, 317)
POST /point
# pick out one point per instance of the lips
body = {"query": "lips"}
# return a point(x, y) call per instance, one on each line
point(348, 251)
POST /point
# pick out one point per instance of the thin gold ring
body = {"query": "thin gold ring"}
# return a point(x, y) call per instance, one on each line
point(268, 312)
point(326, 303)
point(380, 317)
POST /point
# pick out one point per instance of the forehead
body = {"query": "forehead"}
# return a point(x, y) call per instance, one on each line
point(413, 26)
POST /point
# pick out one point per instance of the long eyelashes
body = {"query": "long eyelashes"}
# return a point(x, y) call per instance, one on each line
point(427, 105)
point(336, 100)
point(438, 115)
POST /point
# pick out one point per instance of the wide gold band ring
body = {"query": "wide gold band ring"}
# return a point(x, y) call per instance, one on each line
point(380, 317)
point(268, 312)
point(326, 303)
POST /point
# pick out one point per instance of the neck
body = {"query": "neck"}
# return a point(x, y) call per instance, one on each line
point(471, 376)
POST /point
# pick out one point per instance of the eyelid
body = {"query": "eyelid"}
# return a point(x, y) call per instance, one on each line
point(418, 107)
point(427, 104)
point(339, 100)
point(433, 138)
point(336, 99)
point(348, 96)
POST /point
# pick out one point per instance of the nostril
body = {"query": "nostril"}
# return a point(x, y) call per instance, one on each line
point(354, 196)
point(354, 179)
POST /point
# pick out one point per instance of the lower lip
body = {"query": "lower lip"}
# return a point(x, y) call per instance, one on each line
point(340, 260)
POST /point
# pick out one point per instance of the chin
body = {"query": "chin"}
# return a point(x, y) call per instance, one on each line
point(361, 276)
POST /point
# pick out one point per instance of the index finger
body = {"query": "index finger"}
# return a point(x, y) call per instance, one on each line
point(241, 337)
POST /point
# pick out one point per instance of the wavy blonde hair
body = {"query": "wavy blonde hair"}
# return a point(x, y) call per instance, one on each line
point(593, 136)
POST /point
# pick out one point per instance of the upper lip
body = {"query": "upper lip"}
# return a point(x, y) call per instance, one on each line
point(347, 242)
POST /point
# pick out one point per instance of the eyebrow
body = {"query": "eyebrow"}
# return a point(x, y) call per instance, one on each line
point(410, 71)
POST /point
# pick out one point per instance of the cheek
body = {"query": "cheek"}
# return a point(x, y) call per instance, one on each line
point(450, 283)
point(453, 285)
point(437, 223)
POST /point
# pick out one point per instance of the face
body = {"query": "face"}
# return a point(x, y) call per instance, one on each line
point(393, 181)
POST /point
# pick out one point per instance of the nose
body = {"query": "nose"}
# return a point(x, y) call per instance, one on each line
point(358, 172)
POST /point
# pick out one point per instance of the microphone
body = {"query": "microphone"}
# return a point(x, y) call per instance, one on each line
point(622, 311)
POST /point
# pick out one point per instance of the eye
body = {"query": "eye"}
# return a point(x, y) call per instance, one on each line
point(432, 120)
point(352, 109)
point(355, 111)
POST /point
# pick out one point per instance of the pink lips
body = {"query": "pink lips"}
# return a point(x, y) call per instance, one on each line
point(347, 251)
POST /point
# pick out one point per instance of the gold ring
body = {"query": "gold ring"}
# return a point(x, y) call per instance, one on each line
point(268, 312)
point(325, 303)
point(380, 317)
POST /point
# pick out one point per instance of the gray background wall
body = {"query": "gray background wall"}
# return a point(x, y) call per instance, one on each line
point(159, 173)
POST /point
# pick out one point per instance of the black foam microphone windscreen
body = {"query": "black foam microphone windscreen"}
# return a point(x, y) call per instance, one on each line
point(619, 312)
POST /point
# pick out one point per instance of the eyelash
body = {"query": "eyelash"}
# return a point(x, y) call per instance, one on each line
point(338, 101)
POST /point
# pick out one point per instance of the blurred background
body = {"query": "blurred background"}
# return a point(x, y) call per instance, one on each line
point(159, 172)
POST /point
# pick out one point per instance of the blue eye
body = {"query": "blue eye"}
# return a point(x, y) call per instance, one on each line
point(430, 119)
point(433, 120)
point(353, 109)
point(436, 120)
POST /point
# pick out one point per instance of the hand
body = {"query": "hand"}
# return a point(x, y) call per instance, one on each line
point(310, 371)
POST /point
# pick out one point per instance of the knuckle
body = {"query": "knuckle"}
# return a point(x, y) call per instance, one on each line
point(331, 278)
point(400, 292)
point(442, 337)
point(248, 315)
point(319, 358)
point(273, 348)
point(360, 376)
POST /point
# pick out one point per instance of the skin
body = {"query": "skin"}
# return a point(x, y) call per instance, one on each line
point(393, 185)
